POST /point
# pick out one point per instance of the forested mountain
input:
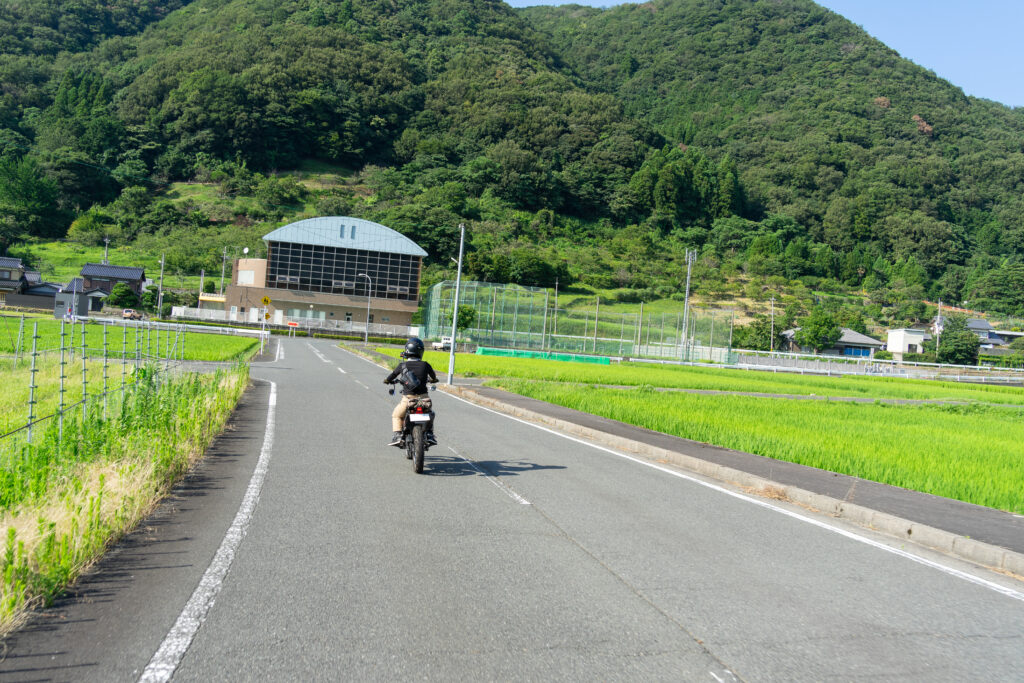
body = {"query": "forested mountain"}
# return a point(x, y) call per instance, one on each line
point(876, 158)
point(774, 136)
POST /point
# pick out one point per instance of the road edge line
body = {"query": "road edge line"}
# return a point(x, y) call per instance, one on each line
point(168, 656)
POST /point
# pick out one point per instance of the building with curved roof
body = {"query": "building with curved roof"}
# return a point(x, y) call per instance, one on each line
point(332, 268)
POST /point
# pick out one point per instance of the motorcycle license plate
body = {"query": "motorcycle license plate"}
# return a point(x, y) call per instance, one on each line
point(419, 417)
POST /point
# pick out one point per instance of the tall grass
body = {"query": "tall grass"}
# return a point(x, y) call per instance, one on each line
point(62, 501)
point(970, 453)
point(723, 379)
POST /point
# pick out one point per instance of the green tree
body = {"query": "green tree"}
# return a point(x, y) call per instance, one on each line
point(465, 318)
point(819, 330)
point(758, 335)
point(957, 345)
point(121, 296)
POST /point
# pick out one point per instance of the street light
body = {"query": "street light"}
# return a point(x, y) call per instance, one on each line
point(369, 286)
point(455, 306)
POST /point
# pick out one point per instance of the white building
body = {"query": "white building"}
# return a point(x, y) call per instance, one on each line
point(906, 340)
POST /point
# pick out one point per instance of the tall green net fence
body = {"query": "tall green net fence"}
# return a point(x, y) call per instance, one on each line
point(517, 317)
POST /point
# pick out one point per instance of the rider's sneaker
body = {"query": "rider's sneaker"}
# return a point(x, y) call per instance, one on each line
point(431, 439)
point(396, 439)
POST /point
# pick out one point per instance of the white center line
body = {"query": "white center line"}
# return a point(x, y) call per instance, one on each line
point(362, 385)
point(166, 659)
point(318, 354)
point(494, 480)
point(342, 371)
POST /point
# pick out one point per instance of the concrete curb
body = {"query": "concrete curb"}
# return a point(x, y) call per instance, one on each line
point(985, 554)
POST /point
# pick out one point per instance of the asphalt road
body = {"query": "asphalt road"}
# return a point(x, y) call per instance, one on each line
point(520, 554)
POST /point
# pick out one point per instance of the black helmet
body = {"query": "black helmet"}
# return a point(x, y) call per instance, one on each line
point(413, 348)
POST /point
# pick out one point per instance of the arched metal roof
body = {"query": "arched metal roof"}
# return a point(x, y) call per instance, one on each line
point(345, 232)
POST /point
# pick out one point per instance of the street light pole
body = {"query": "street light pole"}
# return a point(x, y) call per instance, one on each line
point(455, 304)
point(369, 287)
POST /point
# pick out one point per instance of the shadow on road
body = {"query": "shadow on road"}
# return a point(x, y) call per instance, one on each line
point(452, 466)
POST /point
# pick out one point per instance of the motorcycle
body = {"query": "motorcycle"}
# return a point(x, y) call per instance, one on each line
point(417, 423)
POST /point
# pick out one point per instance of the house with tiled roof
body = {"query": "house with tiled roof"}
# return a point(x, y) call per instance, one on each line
point(12, 278)
point(851, 344)
point(104, 276)
point(95, 295)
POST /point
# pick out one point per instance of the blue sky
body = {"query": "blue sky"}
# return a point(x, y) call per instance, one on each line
point(977, 45)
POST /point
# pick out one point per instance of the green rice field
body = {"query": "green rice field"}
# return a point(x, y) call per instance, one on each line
point(970, 453)
point(198, 346)
point(722, 379)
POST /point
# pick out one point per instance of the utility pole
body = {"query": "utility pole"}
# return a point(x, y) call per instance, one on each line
point(223, 264)
point(106, 246)
point(771, 339)
point(691, 256)
point(938, 328)
point(160, 290)
point(455, 305)
point(555, 321)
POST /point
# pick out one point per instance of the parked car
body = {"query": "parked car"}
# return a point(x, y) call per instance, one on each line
point(131, 314)
point(444, 345)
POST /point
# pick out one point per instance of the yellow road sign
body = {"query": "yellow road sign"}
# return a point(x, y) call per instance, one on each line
point(265, 301)
point(266, 316)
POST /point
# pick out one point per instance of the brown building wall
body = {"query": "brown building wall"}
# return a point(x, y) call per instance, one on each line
point(333, 306)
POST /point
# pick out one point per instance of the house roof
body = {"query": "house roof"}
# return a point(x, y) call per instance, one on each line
point(847, 338)
point(10, 262)
point(851, 338)
point(10, 284)
point(979, 324)
point(345, 232)
point(43, 288)
point(118, 272)
point(33, 277)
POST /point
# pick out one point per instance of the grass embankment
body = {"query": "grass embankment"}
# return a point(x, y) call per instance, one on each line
point(722, 379)
point(199, 346)
point(970, 453)
point(63, 501)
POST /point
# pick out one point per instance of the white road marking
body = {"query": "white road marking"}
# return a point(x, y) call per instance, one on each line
point(494, 480)
point(978, 581)
point(362, 385)
point(167, 658)
point(317, 352)
point(280, 352)
point(342, 371)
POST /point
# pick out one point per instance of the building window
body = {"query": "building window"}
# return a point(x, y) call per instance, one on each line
point(348, 317)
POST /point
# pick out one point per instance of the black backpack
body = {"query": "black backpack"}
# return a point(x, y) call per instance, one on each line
point(407, 379)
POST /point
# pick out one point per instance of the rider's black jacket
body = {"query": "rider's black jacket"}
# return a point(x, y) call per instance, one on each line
point(421, 369)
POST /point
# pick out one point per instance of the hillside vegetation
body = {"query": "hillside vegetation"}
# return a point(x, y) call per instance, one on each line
point(795, 153)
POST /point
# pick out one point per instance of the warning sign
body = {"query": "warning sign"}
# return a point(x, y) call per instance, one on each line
point(265, 301)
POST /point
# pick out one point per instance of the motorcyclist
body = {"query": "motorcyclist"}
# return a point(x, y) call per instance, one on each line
point(423, 372)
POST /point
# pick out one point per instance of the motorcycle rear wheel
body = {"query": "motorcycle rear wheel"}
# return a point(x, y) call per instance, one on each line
point(417, 449)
